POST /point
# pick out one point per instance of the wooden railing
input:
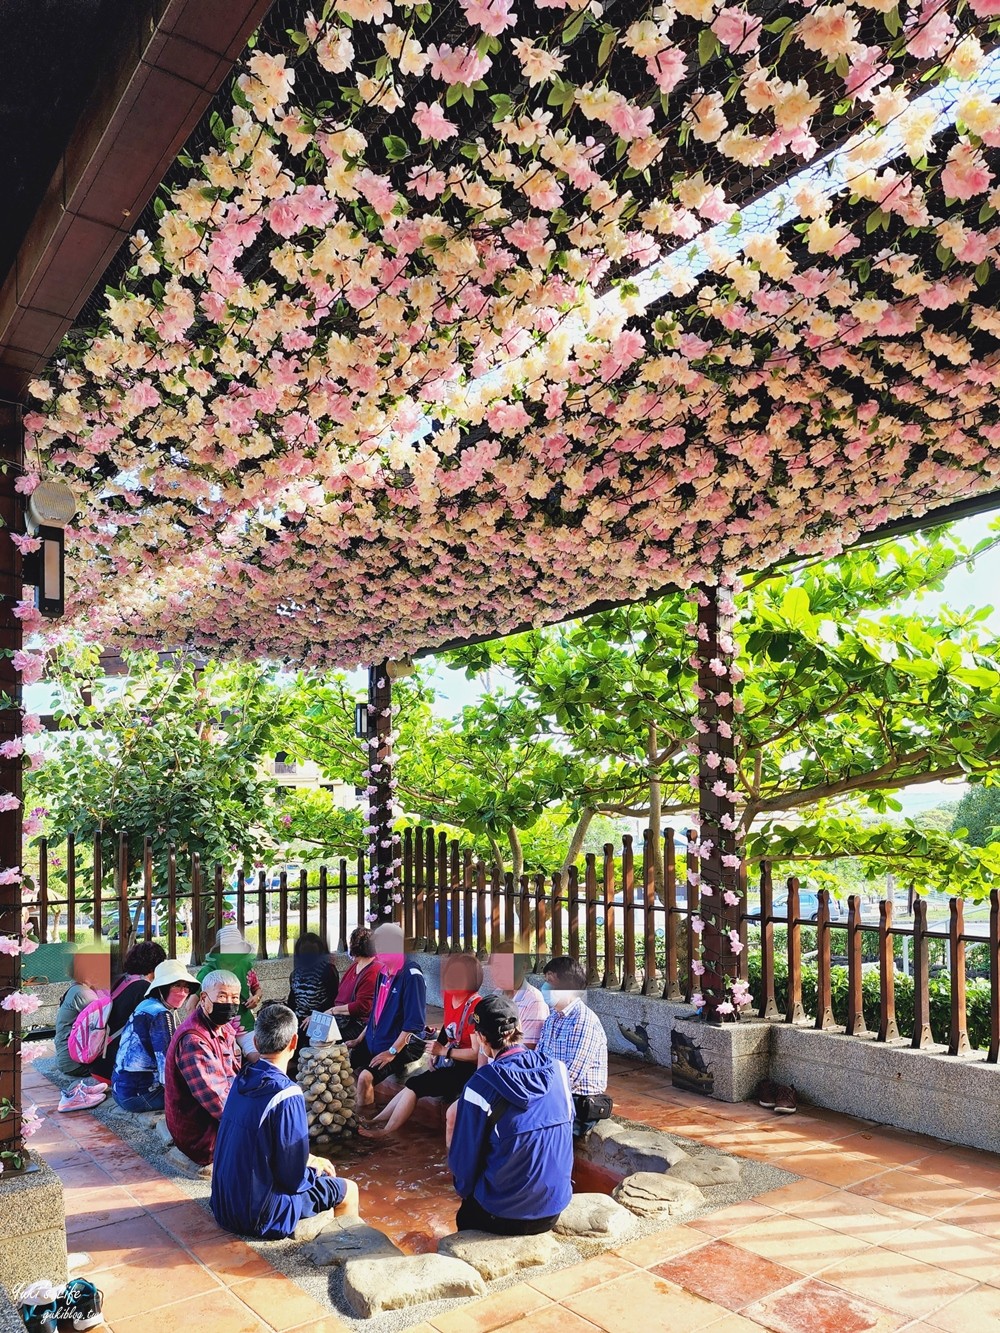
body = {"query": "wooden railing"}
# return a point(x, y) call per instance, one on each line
point(624, 934)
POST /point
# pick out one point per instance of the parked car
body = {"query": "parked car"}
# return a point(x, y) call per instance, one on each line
point(809, 907)
point(109, 924)
point(639, 911)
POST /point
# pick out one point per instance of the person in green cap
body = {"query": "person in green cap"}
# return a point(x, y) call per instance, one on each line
point(232, 953)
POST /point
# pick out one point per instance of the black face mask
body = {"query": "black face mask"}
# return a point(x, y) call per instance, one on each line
point(222, 1014)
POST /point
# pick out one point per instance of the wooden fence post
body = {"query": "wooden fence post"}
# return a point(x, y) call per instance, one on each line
point(771, 1010)
point(611, 980)
point(921, 978)
point(262, 887)
point(172, 900)
point(887, 1029)
point(993, 1055)
point(794, 1013)
point(671, 985)
point(856, 1026)
point(71, 887)
point(650, 975)
point(824, 982)
point(629, 980)
point(958, 1030)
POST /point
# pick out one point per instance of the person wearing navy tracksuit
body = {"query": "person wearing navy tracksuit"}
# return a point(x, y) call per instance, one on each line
point(512, 1151)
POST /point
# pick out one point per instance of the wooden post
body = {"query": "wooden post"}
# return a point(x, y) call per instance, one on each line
point(342, 940)
point(771, 1010)
point(824, 981)
point(693, 899)
point(509, 927)
point(262, 914)
point(431, 929)
point(172, 901)
point(524, 917)
point(482, 949)
point(71, 887)
point(993, 1055)
point(794, 1013)
point(419, 892)
point(468, 945)
point(958, 1030)
point(496, 906)
point(241, 900)
point(147, 883)
point(283, 914)
point(455, 905)
point(218, 896)
point(716, 758)
point(443, 885)
point(43, 891)
point(197, 925)
point(573, 911)
point(540, 933)
point(590, 919)
point(124, 913)
point(921, 978)
point(887, 1029)
point(303, 901)
point(610, 979)
point(98, 887)
point(11, 641)
point(629, 980)
point(382, 876)
point(856, 1026)
point(409, 930)
point(671, 985)
point(324, 905)
point(650, 975)
point(360, 891)
point(557, 924)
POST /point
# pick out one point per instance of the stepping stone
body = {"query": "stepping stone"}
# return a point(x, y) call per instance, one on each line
point(705, 1171)
point(595, 1217)
point(345, 1238)
point(393, 1283)
point(654, 1194)
point(624, 1150)
point(497, 1256)
point(162, 1133)
point(182, 1163)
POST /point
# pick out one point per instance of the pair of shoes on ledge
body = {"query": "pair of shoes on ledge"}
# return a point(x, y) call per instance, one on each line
point(777, 1097)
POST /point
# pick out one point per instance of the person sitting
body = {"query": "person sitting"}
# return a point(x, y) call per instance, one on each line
point(313, 983)
point(573, 1034)
point(232, 953)
point(264, 1180)
point(390, 1040)
point(202, 1062)
point(354, 999)
point(88, 971)
point(137, 1082)
point(512, 1153)
point(138, 967)
point(453, 1059)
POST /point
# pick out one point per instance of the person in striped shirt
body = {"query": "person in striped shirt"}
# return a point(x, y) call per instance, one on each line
point(573, 1034)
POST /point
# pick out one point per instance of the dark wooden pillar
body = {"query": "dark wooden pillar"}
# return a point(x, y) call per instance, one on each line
point(11, 457)
point(719, 865)
point(383, 879)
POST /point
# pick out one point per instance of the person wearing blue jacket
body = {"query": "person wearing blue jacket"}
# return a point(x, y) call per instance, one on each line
point(394, 1034)
point(512, 1152)
point(264, 1180)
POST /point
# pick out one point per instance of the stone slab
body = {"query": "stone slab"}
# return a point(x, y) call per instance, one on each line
point(702, 1171)
point(183, 1164)
point(595, 1217)
point(343, 1239)
point(10, 1319)
point(162, 1133)
point(33, 1228)
point(653, 1194)
point(372, 1286)
point(498, 1256)
point(624, 1150)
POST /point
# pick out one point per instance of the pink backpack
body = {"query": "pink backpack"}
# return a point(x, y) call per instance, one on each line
point(89, 1037)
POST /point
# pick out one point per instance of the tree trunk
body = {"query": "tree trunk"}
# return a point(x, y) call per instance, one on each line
point(655, 813)
point(576, 842)
point(497, 853)
point(517, 852)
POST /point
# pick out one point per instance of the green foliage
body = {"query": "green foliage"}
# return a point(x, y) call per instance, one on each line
point(977, 1000)
point(315, 829)
point(978, 814)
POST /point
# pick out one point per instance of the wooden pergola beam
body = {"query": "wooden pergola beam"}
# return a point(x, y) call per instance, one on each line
point(168, 64)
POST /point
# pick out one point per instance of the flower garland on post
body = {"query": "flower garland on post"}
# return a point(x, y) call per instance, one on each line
point(384, 861)
point(722, 990)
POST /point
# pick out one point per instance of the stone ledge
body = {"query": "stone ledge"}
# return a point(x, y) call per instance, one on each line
point(372, 1286)
point(499, 1256)
point(33, 1227)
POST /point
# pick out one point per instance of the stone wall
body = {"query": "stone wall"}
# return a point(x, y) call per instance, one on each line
point(32, 1227)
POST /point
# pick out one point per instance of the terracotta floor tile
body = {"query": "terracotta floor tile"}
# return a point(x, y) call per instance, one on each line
point(190, 1222)
point(581, 1277)
point(885, 1147)
point(278, 1300)
point(230, 1259)
point(981, 1214)
point(803, 1246)
point(662, 1245)
point(976, 1309)
point(496, 1311)
point(90, 1208)
point(129, 1290)
point(551, 1319)
point(832, 1167)
point(733, 1323)
point(946, 1246)
point(137, 1242)
point(904, 1285)
point(85, 1175)
point(786, 1196)
point(216, 1312)
point(734, 1218)
point(914, 1190)
point(331, 1324)
point(643, 1301)
point(979, 1174)
point(154, 1193)
point(855, 1215)
point(723, 1273)
point(815, 1307)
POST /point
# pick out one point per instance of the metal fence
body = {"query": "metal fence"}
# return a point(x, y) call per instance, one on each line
point(609, 916)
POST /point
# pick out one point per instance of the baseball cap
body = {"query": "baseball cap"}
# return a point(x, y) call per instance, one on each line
point(494, 1018)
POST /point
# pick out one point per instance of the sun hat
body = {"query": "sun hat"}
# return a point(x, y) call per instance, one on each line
point(494, 1018)
point(230, 940)
point(169, 973)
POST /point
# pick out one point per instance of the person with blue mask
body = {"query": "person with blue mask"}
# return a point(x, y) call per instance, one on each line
point(573, 1034)
point(512, 1151)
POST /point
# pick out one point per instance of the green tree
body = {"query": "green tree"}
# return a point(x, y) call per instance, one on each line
point(978, 814)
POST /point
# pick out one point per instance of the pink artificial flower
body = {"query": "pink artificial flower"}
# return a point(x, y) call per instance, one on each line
point(697, 925)
point(31, 724)
point(26, 545)
point(717, 666)
point(12, 749)
point(8, 801)
point(492, 17)
point(724, 1007)
point(730, 899)
point(432, 122)
point(736, 29)
point(719, 788)
point(713, 759)
point(9, 946)
point(11, 875)
point(966, 173)
point(27, 483)
point(30, 665)
point(21, 1003)
point(697, 999)
point(667, 68)
point(698, 969)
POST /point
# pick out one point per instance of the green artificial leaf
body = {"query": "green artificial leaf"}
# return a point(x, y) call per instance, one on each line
point(708, 45)
point(396, 148)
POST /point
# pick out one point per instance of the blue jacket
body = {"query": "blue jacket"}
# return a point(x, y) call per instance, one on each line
point(405, 1008)
point(142, 1051)
point(260, 1177)
point(521, 1167)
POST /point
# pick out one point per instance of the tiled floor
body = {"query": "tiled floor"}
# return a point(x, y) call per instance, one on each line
point(885, 1231)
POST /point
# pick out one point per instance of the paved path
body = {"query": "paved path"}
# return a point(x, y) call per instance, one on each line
point(885, 1231)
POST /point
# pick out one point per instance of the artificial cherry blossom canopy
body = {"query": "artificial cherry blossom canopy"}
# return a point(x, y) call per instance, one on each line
point(463, 315)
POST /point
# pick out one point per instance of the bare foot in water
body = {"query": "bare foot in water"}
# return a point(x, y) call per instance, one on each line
point(373, 1130)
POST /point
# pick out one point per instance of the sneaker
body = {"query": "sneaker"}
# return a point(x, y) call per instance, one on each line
point(766, 1094)
point(41, 1318)
point(81, 1098)
point(82, 1304)
point(785, 1100)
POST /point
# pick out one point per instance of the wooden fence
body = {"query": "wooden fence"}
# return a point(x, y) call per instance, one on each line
point(608, 916)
